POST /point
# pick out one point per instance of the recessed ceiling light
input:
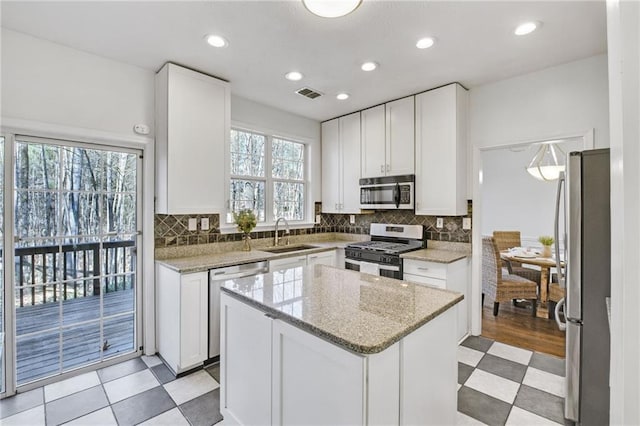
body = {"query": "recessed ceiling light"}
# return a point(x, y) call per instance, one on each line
point(369, 66)
point(527, 28)
point(342, 96)
point(293, 76)
point(331, 8)
point(425, 43)
point(217, 41)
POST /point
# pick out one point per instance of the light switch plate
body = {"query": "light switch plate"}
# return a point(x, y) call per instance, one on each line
point(466, 223)
point(352, 219)
point(439, 223)
point(193, 224)
point(204, 224)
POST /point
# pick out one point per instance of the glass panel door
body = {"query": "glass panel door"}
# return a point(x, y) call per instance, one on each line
point(75, 256)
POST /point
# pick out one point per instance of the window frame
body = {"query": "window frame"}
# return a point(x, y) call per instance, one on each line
point(269, 222)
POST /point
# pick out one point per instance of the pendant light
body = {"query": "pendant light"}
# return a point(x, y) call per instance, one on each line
point(331, 8)
point(548, 162)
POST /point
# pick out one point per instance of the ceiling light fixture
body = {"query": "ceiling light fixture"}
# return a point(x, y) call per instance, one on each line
point(331, 8)
point(342, 96)
point(293, 76)
point(527, 28)
point(369, 66)
point(425, 43)
point(216, 40)
point(548, 162)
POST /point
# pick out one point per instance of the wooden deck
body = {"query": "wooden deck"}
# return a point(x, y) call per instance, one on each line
point(38, 355)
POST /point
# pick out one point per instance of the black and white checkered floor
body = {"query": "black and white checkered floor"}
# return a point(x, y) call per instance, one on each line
point(498, 384)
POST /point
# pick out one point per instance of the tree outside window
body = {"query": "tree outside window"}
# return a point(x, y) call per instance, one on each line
point(262, 164)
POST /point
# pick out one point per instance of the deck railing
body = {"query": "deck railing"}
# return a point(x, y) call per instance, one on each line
point(77, 268)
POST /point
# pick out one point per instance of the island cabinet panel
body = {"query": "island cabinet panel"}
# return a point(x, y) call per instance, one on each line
point(429, 396)
point(304, 368)
point(192, 135)
point(275, 373)
point(245, 353)
point(182, 318)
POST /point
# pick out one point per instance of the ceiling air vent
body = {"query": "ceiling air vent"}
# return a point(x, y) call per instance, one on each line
point(308, 93)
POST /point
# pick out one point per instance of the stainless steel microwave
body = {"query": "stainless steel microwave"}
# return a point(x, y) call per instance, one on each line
point(387, 193)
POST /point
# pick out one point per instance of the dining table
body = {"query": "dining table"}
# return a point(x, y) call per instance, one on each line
point(545, 264)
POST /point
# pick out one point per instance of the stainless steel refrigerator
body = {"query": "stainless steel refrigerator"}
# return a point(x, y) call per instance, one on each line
point(587, 226)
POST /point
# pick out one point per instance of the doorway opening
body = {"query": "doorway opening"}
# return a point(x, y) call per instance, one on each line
point(514, 200)
point(75, 256)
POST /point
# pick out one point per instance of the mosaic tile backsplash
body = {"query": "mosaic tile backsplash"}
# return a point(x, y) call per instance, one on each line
point(172, 230)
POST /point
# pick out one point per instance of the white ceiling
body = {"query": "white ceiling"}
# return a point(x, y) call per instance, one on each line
point(476, 44)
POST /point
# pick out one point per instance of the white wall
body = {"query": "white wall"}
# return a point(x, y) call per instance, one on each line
point(50, 83)
point(264, 118)
point(566, 99)
point(623, 36)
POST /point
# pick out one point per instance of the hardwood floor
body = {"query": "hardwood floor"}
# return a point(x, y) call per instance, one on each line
point(515, 326)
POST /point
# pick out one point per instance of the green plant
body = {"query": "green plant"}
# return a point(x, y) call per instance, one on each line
point(546, 240)
point(245, 220)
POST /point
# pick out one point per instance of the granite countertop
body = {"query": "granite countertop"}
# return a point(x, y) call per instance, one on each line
point(435, 255)
point(360, 312)
point(219, 260)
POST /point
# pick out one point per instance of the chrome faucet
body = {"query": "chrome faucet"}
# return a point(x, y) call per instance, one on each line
point(287, 231)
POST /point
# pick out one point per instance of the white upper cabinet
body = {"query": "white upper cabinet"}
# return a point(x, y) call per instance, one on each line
point(388, 139)
point(400, 137)
point(441, 151)
point(192, 136)
point(373, 142)
point(340, 164)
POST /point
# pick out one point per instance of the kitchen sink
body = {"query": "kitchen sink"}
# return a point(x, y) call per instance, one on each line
point(288, 249)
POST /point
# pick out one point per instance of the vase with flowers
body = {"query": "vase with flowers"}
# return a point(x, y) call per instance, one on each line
point(546, 242)
point(245, 220)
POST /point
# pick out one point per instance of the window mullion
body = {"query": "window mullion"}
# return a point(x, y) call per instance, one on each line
point(268, 204)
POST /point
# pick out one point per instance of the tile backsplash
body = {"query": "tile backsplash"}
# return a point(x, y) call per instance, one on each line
point(173, 230)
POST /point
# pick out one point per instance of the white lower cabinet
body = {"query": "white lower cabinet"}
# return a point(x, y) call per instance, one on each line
point(182, 318)
point(273, 373)
point(322, 258)
point(451, 276)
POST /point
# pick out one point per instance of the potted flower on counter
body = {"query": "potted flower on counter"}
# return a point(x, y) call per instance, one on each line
point(547, 242)
point(246, 221)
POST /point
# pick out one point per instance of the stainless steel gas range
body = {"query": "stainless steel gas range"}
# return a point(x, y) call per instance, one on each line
point(381, 255)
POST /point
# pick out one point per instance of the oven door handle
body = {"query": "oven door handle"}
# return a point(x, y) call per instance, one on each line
point(396, 194)
point(381, 266)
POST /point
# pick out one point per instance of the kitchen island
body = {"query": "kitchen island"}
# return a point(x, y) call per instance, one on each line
point(321, 345)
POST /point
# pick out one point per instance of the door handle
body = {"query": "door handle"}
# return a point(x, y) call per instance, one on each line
point(396, 194)
point(561, 325)
point(556, 231)
point(381, 168)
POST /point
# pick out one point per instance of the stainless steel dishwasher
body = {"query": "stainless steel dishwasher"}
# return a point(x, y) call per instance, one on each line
point(216, 278)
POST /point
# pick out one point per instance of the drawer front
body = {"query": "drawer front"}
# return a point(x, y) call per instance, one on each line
point(419, 279)
point(426, 269)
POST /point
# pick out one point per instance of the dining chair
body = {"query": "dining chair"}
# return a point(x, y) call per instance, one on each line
point(509, 239)
point(555, 294)
point(503, 287)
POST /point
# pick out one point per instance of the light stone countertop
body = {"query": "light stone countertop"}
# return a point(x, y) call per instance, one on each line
point(208, 256)
point(205, 262)
point(360, 312)
point(435, 255)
